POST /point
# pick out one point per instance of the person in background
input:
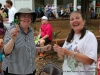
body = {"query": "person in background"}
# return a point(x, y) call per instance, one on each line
point(2, 29)
point(47, 9)
point(61, 11)
point(40, 11)
point(53, 10)
point(6, 10)
point(98, 65)
point(92, 13)
point(91, 5)
point(79, 50)
point(1, 55)
point(11, 11)
point(0, 6)
point(98, 4)
point(71, 7)
point(1, 22)
point(79, 8)
point(45, 32)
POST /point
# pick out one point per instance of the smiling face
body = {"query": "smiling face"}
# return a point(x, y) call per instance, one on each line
point(25, 20)
point(77, 23)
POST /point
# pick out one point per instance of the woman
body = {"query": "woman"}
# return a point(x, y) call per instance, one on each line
point(19, 46)
point(79, 50)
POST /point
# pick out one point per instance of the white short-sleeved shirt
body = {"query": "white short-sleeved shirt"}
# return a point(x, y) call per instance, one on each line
point(53, 9)
point(79, 7)
point(87, 46)
point(11, 14)
point(61, 11)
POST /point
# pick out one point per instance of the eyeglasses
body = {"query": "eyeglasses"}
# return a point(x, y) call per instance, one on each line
point(24, 16)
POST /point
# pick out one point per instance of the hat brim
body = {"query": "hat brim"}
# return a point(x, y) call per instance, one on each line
point(34, 15)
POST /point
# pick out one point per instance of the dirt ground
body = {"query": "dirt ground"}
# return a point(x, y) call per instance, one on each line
point(64, 27)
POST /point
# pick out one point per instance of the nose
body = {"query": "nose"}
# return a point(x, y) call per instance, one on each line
point(74, 20)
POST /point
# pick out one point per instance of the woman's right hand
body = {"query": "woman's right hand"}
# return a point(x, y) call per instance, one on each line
point(59, 51)
point(14, 33)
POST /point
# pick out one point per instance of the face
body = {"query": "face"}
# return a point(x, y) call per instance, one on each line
point(25, 20)
point(7, 5)
point(43, 21)
point(76, 22)
point(1, 43)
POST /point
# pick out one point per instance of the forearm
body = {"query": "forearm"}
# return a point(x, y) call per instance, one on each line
point(46, 36)
point(9, 47)
point(39, 31)
point(80, 57)
point(84, 59)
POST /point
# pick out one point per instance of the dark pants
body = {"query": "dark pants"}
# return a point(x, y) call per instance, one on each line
point(6, 73)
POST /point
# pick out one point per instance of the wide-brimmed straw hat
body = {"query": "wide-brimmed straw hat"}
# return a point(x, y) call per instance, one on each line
point(26, 10)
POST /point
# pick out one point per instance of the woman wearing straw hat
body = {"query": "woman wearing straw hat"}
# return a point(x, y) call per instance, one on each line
point(19, 46)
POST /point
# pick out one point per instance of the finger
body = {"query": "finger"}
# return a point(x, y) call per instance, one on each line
point(54, 49)
point(55, 45)
point(15, 34)
point(48, 47)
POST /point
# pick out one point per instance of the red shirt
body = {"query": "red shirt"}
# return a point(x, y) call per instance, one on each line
point(98, 66)
point(98, 4)
point(46, 30)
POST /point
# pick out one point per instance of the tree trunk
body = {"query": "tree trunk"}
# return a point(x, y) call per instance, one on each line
point(85, 10)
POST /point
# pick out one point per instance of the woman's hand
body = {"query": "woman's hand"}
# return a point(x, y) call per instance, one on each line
point(60, 51)
point(14, 33)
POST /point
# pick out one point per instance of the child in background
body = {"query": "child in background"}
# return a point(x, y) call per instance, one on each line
point(1, 55)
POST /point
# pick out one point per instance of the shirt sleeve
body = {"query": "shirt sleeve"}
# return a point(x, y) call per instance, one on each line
point(91, 47)
point(65, 44)
point(7, 37)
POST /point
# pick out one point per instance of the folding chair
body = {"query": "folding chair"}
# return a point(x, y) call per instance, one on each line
point(51, 69)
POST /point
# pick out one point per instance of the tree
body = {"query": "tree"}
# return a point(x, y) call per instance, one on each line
point(85, 10)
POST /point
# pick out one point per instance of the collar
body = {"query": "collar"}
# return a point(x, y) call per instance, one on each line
point(45, 24)
point(20, 29)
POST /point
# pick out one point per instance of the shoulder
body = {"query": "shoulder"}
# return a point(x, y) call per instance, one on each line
point(14, 9)
point(90, 36)
point(41, 25)
point(89, 33)
point(49, 25)
point(13, 26)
